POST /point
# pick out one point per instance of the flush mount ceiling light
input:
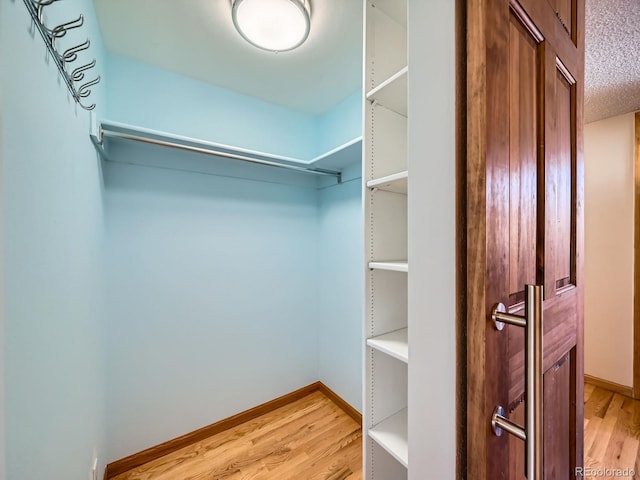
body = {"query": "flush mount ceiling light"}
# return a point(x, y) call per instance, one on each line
point(274, 25)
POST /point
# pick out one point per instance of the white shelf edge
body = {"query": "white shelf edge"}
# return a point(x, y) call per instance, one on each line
point(396, 182)
point(341, 157)
point(394, 266)
point(372, 93)
point(338, 149)
point(134, 129)
point(391, 434)
point(394, 344)
point(392, 93)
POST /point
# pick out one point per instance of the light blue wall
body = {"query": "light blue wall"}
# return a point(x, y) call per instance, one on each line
point(51, 193)
point(204, 295)
point(212, 301)
point(224, 293)
point(341, 124)
point(341, 290)
point(151, 97)
point(147, 96)
point(325, 232)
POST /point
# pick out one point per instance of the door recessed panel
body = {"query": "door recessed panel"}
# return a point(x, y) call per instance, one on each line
point(563, 210)
point(557, 421)
point(524, 78)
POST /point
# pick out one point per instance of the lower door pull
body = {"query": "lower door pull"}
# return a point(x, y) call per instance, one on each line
point(532, 432)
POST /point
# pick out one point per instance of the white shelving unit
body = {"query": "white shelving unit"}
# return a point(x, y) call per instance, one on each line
point(385, 177)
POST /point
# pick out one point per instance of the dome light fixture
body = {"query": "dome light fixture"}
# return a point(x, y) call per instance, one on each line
point(273, 25)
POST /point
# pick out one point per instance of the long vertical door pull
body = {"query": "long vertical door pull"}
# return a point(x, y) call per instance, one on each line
point(532, 432)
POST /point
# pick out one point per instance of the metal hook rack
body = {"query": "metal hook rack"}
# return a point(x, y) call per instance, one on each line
point(69, 56)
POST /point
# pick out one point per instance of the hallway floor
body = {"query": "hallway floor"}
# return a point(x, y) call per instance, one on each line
point(611, 435)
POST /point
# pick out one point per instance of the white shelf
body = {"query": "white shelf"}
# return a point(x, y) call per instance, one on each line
point(340, 157)
point(392, 93)
point(395, 344)
point(391, 434)
point(395, 266)
point(337, 158)
point(396, 182)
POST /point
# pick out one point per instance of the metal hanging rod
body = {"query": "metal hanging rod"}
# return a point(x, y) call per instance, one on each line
point(50, 36)
point(207, 150)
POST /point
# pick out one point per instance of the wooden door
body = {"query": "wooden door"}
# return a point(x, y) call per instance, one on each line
point(523, 207)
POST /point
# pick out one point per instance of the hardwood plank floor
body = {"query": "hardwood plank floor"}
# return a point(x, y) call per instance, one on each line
point(313, 439)
point(611, 434)
point(310, 439)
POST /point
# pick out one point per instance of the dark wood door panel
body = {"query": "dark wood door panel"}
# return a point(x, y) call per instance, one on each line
point(560, 319)
point(560, 309)
point(566, 14)
point(546, 21)
point(523, 206)
point(558, 464)
point(516, 363)
point(558, 342)
point(524, 117)
point(516, 446)
point(564, 212)
point(560, 178)
point(557, 413)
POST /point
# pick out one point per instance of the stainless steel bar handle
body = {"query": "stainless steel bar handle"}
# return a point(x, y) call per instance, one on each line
point(532, 433)
point(534, 391)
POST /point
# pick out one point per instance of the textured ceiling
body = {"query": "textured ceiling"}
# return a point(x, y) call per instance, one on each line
point(196, 38)
point(612, 63)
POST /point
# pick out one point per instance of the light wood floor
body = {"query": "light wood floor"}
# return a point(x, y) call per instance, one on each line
point(611, 432)
point(313, 439)
point(310, 439)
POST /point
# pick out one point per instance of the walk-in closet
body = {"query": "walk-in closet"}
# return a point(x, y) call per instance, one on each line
point(193, 227)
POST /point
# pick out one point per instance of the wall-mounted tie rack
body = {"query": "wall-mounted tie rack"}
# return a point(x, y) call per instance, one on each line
point(64, 60)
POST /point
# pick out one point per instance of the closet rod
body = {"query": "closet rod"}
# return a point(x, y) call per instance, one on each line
point(104, 132)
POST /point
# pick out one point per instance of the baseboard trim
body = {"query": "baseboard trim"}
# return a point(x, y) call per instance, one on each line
point(340, 402)
point(611, 386)
point(108, 473)
point(132, 461)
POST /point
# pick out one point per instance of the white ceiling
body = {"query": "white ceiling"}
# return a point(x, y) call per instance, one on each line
point(196, 38)
point(612, 63)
